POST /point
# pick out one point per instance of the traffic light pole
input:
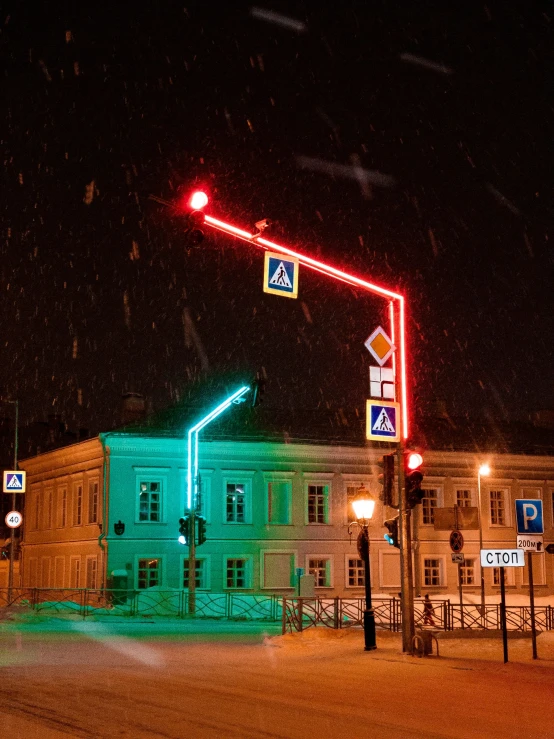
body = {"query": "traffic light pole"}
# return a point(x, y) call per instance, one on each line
point(406, 571)
point(192, 560)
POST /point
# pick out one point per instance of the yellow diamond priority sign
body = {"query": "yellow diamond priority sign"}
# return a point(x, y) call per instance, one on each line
point(379, 346)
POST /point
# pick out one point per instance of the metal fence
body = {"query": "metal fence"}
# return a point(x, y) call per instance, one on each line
point(295, 614)
point(301, 613)
point(141, 603)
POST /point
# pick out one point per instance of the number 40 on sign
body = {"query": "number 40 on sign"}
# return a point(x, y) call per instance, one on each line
point(13, 519)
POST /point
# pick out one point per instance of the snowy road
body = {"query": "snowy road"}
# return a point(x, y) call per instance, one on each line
point(92, 684)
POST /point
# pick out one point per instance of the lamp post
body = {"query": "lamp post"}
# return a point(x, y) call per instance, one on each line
point(484, 471)
point(364, 505)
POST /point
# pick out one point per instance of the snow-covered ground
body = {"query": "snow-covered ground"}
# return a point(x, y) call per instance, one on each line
point(92, 682)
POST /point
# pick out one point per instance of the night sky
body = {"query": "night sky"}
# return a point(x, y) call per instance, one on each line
point(443, 108)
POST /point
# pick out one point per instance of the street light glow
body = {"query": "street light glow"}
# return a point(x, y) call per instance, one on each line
point(484, 470)
point(363, 505)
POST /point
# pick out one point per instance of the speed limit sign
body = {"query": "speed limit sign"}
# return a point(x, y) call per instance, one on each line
point(13, 519)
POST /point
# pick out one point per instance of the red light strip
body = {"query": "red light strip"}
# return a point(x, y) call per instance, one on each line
point(349, 279)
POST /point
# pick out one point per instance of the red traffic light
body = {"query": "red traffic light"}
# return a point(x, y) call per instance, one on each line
point(198, 200)
point(413, 460)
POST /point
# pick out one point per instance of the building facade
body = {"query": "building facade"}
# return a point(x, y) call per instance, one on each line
point(105, 512)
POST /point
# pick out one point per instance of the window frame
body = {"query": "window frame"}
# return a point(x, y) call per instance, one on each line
point(93, 482)
point(510, 576)
point(291, 553)
point(439, 502)
point(151, 475)
point(248, 572)
point(441, 567)
point(506, 498)
point(329, 569)
point(463, 573)
point(75, 559)
point(91, 559)
point(468, 502)
point(48, 508)
point(160, 570)
point(238, 477)
point(347, 559)
point(77, 511)
point(206, 572)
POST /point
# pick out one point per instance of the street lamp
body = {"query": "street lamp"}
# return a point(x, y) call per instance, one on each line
point(364, 505)
point(484, 471)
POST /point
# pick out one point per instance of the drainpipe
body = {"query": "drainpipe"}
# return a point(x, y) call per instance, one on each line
point(105, 473)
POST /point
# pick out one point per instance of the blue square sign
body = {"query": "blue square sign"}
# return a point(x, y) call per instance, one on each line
point(281, 275)
point(529, 516)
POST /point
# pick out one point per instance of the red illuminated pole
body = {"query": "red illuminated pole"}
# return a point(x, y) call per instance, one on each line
point(397, 318)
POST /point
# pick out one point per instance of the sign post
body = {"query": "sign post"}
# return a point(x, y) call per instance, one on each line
point(530, 528)
point(502, 558)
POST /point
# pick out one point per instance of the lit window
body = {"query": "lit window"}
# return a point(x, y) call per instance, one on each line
point(148, 573)
point(150, 501)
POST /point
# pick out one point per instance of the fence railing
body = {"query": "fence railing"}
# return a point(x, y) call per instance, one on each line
point(295, 614)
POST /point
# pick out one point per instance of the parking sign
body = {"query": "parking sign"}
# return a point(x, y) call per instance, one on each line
point(529, 516)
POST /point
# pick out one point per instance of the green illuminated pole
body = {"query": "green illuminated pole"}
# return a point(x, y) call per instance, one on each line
point(192, 484)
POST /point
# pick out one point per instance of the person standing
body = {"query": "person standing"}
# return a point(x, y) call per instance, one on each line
point(428, 611)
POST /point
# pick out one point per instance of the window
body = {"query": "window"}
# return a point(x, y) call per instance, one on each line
point(356, 578)
point(148, 573)
point(279, 497)
point(75, 572)
point(93, 501)
point(236, 573)
point(320, 568)
point(62, 507)
point(37, 511)
point(508, 576)
point(498, 507)
point(235, 503)
point(463, 497)
point(428, 504)
point(45, 572)
point(318, 504)
point(432, 572)
point(351, 492)
point(277, 569)
point(200, 573)
point(150, 501)
point(92, 572)
point(467, 572)
point(49, 508)
point(59, 567)
point(78, 505)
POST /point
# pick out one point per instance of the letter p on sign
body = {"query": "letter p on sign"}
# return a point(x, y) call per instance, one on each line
point(529, 517)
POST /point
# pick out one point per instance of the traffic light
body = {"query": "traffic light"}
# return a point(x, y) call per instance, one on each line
point(258, 389)
point(386, 479)
point(201, 529)
point(194, 218)
point(413, 478)
point(184, 530)
point(392, 536)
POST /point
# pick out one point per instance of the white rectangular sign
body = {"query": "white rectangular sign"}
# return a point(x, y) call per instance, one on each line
point(530, 542)
point(502, 558)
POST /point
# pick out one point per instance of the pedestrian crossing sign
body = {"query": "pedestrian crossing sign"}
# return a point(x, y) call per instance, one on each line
point(281, 275)
point(382, 420)
point(14, 481)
